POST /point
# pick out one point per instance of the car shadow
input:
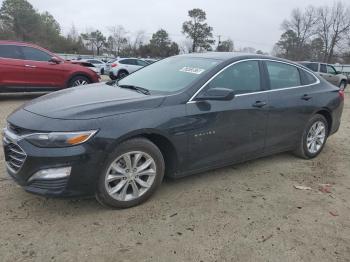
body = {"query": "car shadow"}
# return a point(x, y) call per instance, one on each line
point(88, 205)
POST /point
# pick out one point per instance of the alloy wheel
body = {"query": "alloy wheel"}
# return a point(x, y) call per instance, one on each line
point(130, 176)
point(80, 82)
point(316, 137)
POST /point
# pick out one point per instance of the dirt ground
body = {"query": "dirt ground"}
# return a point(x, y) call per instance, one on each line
point(247, 212)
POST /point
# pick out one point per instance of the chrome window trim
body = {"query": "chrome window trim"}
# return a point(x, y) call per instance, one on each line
point(259, 92)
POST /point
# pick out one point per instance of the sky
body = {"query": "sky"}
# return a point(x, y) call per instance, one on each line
point(253, 23)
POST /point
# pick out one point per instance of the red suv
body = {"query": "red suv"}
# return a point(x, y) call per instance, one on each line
point(27, 67)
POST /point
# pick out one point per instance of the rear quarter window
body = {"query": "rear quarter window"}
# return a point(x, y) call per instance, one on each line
point(307, 78)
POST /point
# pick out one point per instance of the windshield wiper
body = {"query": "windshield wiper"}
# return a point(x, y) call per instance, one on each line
point(137, 88)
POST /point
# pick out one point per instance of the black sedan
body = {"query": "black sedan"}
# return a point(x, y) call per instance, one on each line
point(179, 116)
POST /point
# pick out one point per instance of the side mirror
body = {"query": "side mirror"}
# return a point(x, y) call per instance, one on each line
point(338, 72)
point(55, 60)
point(217, 93)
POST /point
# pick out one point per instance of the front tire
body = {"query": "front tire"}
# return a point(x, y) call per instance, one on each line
point(314, 138)
point(78, 81)
point(131, 175)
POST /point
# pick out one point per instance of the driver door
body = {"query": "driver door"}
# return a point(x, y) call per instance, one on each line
point(224, 132)
point(39, 72)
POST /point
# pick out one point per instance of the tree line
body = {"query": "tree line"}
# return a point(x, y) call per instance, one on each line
point(316, 33)
point(20, 21)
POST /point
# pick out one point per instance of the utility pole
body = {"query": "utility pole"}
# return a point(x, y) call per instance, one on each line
point(219, 40)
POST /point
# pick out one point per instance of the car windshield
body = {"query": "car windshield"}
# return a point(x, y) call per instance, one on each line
point(171, 74)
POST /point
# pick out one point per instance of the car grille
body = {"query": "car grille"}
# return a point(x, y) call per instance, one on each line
point(14, 156)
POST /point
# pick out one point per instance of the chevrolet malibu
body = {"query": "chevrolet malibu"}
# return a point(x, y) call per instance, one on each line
point(179, 116)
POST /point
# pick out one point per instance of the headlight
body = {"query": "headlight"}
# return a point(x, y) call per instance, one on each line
point(59, 139)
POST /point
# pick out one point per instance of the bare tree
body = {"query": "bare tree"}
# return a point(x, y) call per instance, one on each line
point(139, 39)
point(333, 27)
point(304, 25)
point(186, 46)
point(73, 33)
point(118, 39)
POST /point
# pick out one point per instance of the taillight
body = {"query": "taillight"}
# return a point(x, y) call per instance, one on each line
point(342, 93)
point(114, 65)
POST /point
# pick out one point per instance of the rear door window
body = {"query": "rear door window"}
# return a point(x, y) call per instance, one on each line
point(34, 54)
point(10, 51)
point(126, 62)
point(141, 63)
point(283, 75)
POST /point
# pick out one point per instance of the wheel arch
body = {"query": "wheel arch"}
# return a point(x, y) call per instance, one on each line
point(327, 114)
point(161, 140)
point(123, 70)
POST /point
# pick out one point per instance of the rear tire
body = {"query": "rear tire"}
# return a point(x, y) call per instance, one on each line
point(78, 81)
point(112, 77)
point(122, 74)
point(313, 138)
point(131, 175)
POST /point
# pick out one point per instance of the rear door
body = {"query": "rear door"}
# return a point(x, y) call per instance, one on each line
point(39, 72)
point(128, 64)
point(11, 66)
point(290, 104)
point(229, 131)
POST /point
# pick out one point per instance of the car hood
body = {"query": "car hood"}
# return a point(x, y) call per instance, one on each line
point(91, 101)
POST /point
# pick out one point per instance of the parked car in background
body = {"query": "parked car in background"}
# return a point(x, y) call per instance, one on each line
point(328, 72)
point(180, 116)
point(100, 65)
point(87, 65)
point(122, 67)
point(150, 60)
point(28, 67)
point(344, 69)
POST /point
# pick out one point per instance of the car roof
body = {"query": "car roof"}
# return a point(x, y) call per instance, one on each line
point(9, 42)
point(229, 56)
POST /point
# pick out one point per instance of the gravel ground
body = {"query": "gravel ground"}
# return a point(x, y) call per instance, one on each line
point(247, 212)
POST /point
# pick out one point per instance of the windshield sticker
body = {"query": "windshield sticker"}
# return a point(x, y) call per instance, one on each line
point(192, 70)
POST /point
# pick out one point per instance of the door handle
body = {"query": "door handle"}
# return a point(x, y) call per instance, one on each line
point(31, 66)
point(306, 97)
point(259, 104)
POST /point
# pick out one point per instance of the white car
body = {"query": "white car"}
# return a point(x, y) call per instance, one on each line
point(100, 65)
point(123, 66)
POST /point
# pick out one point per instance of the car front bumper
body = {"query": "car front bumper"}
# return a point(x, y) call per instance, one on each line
point(24, 160)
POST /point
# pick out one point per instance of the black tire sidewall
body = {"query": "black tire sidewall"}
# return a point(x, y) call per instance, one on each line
point(122, 74)
point(314, 119)
point(137, 144)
